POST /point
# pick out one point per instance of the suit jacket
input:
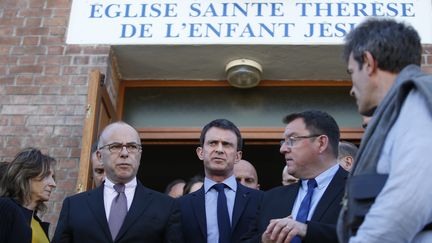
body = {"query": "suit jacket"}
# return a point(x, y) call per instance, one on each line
point(193, 214)
point(152, 217)
point(278, 203)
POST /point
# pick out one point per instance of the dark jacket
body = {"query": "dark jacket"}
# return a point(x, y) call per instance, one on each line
point(278, 203)
point(152, 218)
point(15, 221)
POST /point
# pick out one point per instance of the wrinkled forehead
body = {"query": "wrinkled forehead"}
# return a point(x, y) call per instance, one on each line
point(220, 134)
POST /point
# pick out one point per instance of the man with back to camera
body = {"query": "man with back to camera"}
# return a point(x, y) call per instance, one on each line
point(306, 211)
point(122, 209)
point(222, 210)
point(246, 174)
point(384, 59)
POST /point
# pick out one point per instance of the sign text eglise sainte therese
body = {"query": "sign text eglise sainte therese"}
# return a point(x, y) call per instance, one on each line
point(234, 21)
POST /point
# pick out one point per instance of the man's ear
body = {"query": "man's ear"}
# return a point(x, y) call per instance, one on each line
point(199, 152)
point(98, 156)
point(348, 161)
point(323, 143)
point(238, 156)
point(370, 62)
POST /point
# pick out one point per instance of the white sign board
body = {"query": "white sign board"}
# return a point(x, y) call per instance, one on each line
point(122, 22)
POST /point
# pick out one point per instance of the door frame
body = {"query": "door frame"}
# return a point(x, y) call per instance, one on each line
point(99, 113)
point(256, 135)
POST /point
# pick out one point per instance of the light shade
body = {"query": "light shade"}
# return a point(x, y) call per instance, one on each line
point(243, 73)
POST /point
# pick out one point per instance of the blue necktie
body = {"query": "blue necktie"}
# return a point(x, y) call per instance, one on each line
point(303, 212)
point(224, 223)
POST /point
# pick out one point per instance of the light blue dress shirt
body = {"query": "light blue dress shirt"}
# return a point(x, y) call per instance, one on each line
point(323, 180)
point(211, 196)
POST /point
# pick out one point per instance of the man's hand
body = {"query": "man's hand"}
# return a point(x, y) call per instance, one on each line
point(283, 230)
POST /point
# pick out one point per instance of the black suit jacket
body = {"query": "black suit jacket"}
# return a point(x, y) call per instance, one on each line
point(193, 214)
point(152, 217)
point(278, 203)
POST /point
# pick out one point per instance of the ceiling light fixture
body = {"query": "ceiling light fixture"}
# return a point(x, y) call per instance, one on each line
point(243, 73)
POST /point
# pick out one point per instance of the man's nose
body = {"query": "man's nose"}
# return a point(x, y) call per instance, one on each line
point(124, 152)
point(219, 147)
point(284, 148)
point(352, 92)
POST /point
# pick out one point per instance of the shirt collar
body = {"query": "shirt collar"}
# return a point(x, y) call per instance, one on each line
point(131, 184)
point(324, 178)
point(230, 182)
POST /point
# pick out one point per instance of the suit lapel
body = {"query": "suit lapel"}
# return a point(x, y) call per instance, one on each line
point(335, 188)
point(198, 207)
point(140, 202)
point(241, 199)
point(96, 204)
point(290, 196)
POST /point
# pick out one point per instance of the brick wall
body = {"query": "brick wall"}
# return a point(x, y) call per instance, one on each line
point(43, 87)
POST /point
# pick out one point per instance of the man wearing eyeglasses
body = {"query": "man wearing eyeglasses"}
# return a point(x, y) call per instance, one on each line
point(122, 209)
point(306, 211)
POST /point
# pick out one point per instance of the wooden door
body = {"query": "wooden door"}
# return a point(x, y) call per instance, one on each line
point(99, 113)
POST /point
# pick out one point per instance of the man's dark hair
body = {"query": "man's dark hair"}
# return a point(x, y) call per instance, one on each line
point(223, 124)
point(319, 122)
point(393, 45)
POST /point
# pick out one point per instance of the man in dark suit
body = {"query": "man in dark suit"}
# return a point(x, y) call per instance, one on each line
point(306, 211)
point(221, 145)
point(121, 209)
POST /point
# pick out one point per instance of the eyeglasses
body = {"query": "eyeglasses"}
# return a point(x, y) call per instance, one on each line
point(117, 147)
point(291, 141)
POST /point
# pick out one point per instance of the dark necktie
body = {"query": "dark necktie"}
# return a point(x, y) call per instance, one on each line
point(303, 212)
point(224, 223)
point(118, 210)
